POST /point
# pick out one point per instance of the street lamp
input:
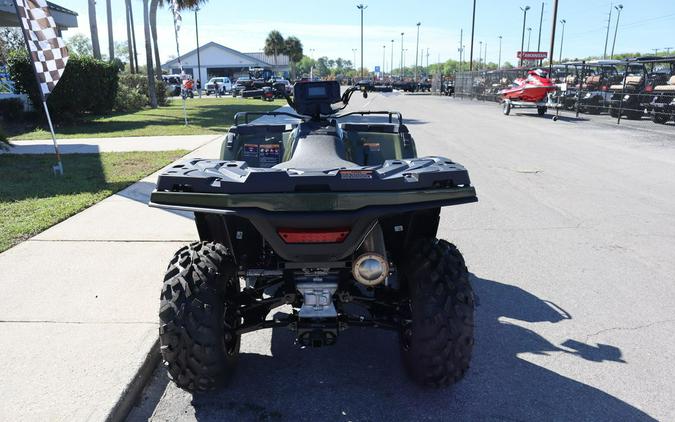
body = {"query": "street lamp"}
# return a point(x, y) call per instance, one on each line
point(609, 21)
point(473, 21)
point(384, 50)
point(417, 49)
point(391, 67)
point(522, 40)
point(562, 38)
point(480, 54)
point(616, 28)
point(361, 7)
point(499, 65)
point(529, 35)
point(400, 72)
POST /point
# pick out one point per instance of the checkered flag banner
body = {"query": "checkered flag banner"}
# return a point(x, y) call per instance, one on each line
point(46, 48)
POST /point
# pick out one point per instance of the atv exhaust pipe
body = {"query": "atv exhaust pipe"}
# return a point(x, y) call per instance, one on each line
point(371, 267)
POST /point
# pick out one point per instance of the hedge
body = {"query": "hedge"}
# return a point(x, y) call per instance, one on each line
point(87, 86)
point(133, 95)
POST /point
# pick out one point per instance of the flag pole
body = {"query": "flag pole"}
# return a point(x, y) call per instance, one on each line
point(58, 168)
point(176, 19)
point(33, 57)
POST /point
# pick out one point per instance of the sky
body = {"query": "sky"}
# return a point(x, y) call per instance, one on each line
point(332, 28)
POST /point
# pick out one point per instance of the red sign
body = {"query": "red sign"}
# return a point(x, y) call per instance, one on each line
point(532, 55)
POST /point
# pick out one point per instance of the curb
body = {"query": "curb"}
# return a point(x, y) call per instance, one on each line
point(133, 390)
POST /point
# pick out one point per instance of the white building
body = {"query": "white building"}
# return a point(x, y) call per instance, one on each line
point(218, 60)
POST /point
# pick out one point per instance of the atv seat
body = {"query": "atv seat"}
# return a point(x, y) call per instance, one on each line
point(632, 82)
point(373, 143)
point(669, 87)
point(258, 145)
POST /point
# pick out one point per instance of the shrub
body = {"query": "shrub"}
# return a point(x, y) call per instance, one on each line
point(129, 99)
point(11, 109)
point(87, 86)
point(133, 92)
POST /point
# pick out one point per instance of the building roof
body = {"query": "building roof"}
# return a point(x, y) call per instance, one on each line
point(282, 59)
point(257, 59)
point(64, 18)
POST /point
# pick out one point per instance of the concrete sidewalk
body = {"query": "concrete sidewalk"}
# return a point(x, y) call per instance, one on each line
point(95, 145)
point(78, 313)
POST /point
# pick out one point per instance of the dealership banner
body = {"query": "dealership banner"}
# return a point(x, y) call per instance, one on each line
point(532, 55)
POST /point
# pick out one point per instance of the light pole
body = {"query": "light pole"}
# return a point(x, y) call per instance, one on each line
point(460, 49)
point(199, 63)
point(473, 21)
point(541, 19)
point(384, 50)
point(401, 69)
point(609, 21)
point(522, 40)
point(562, 38)
point(499, 65)
point(555, 17)
point(619, 8)
point(480, 54)
point(361, 7)
point(417, 49)
point(485, 57)
point(529, 35)
point(391, 65)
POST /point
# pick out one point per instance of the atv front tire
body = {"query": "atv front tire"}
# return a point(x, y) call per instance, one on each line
point(197, 319)
point(436, 345)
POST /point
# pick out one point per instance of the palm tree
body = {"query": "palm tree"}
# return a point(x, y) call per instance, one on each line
point(293, 47)
point(111, 41)
point(129, 46)
point(148, 57)
point(153, 29)
point(154, 4)
point(274, 45)
point(94, 29)
point(133, 33)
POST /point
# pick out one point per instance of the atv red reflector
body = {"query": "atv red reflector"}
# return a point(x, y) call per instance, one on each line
point(313, 235)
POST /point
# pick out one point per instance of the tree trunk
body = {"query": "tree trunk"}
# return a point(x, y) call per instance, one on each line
point(133, 34)
point(94, 29)
point(111, 41)
point(148, 57)
point(153, 30)
point(129, 45)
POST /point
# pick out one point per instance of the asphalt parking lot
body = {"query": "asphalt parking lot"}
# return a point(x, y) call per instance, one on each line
point(571, 251)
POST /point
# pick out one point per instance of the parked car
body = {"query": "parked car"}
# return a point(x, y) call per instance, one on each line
point(224, 85)
point(173, 84)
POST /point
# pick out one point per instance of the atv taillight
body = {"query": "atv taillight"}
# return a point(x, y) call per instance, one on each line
point(313, 235)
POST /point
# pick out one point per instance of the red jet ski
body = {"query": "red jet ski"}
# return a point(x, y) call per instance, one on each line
point(533, 89)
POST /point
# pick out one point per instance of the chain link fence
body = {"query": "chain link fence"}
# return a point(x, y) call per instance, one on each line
point(636, 89)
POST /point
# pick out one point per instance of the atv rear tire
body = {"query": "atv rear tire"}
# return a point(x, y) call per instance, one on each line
point(197, 323)
point(436, 345)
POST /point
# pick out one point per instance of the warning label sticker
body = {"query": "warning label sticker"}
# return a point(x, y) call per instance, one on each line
point(251, 150)
point(356, 174)
point(269, 155)
point(372, 146)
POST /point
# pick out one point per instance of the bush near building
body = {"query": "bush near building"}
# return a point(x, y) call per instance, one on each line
point(88, 86)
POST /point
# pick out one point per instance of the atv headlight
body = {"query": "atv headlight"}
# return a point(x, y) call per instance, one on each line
point(588, 95)
point(672, 101)
point(626, 97)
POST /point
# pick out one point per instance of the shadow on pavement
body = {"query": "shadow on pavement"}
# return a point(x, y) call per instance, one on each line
point(361, 378)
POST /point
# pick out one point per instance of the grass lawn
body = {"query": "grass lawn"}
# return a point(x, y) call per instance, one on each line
point(32, 199)
point(208, 115)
